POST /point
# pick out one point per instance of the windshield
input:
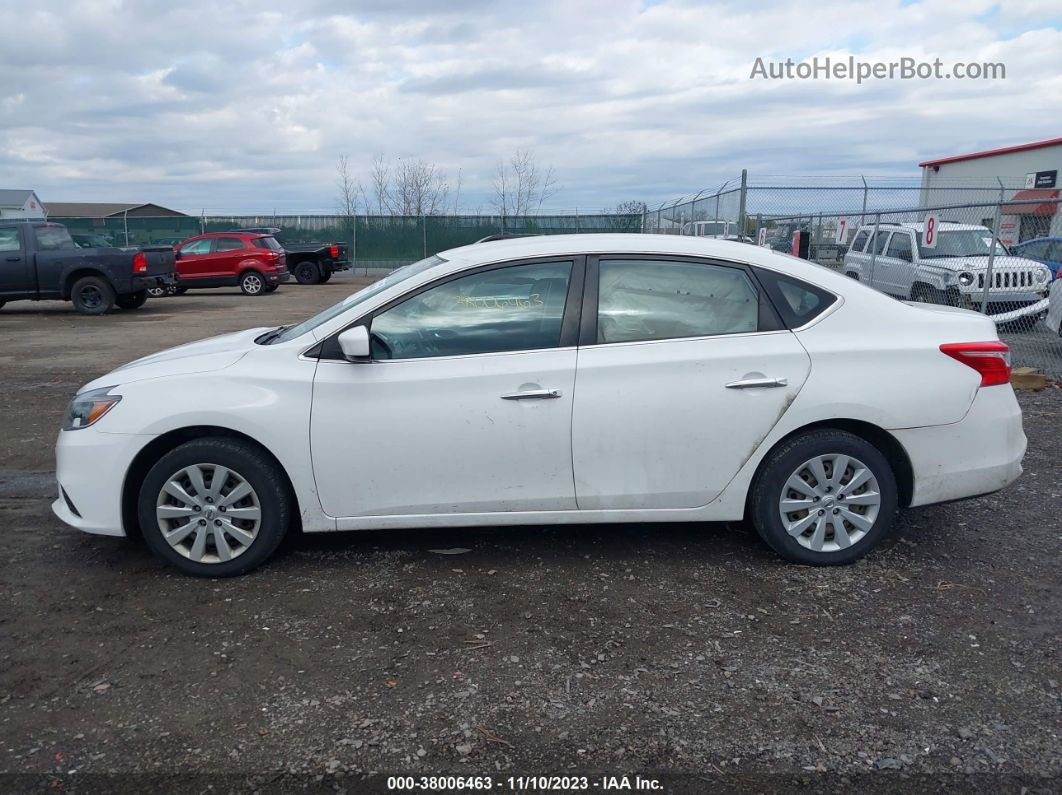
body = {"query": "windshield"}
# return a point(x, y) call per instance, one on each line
point(961, 243)
point(390, 280)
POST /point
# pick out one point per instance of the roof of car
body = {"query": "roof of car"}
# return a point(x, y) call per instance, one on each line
point(628, 243)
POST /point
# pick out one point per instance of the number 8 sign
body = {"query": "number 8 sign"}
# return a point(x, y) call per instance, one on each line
point(929, 236)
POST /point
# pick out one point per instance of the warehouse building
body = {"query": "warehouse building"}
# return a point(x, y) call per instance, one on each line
point(1026, 173)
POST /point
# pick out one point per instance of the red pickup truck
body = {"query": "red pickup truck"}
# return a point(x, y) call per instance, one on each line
point(254, 262)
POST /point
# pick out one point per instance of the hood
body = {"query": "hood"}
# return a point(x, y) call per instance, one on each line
point(204, 356)
point(980, 263)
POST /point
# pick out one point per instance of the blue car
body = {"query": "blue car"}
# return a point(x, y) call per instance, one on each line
point(1047, 250)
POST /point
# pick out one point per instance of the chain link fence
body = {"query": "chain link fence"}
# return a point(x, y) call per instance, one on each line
point(375, 242)
point(999, 258)
point(870, 228)
point(997, 247)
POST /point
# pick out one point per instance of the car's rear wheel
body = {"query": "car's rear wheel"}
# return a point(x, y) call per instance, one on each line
point(307, 273)
point(91, 295)
point(214, 507)
point(252, 283)
point(179, 290)
point(825, 497)
point(159, 292)
point(132, 300)
point(325, 276)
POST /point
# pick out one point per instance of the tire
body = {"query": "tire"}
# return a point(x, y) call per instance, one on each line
point(245, 542)
point(2, 304)
point(271, 288)
point(813, 526)
point(179, 290)
point(924, 294)
point(852, 275)
point(159, 292)
point(92, 295)
point(132, 300)
point(252, 283)
point(325, 276)
point(307, 273)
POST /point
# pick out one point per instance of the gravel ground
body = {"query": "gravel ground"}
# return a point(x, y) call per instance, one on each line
point(690, 651)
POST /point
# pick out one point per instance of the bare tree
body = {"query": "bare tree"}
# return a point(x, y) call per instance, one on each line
point(408, 187)
point(629, 207)
point(521, 185)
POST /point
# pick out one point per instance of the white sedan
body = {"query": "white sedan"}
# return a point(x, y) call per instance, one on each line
point(549, 380)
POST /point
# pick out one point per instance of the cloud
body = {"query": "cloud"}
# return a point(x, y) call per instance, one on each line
point(246, 105)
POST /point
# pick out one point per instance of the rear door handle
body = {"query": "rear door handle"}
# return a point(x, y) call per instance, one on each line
point(758, 383)
point(14, 259)
point(533, 394)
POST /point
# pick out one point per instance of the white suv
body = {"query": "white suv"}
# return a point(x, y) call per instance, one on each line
point(895, 262)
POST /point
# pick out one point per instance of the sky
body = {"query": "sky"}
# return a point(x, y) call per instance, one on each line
point(215, 106)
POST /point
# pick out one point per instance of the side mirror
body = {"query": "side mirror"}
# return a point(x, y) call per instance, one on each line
point(354, 342)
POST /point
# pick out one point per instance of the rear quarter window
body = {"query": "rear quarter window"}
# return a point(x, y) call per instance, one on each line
point(797, 302)
point(267, 243)
point(860, 240)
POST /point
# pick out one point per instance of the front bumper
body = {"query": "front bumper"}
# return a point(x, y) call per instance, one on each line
point(972, 299)
point(979, 454)
point(90, 468)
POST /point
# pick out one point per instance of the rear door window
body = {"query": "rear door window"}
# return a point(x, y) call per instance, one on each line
point(659, 299)
point(228, 244)
point(879, 241)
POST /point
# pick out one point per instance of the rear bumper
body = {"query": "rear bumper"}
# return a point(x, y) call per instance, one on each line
point(277, 277)
point(979, 454)
point(90, 469)
point(139, 283)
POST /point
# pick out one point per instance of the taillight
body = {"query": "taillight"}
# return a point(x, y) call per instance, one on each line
point(140, 262)
point(333, 252)
point(990, 359)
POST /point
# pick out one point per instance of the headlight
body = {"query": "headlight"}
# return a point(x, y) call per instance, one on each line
point(966, 278)
point(88, 407)
point(1042, 275)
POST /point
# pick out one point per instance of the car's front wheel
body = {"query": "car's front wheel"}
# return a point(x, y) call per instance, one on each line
point(214, 507)
point(825, 497)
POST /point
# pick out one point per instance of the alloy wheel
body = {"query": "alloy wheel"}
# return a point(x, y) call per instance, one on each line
point(252, 284)
point(208, 513)
point(830, 503)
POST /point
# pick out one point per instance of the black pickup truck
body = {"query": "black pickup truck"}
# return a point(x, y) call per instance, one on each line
point(40, 261)
point(309, 263)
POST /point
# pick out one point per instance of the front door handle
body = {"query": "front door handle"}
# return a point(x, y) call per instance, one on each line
point(533, 394)
point(758, 383)
point(14, 259)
